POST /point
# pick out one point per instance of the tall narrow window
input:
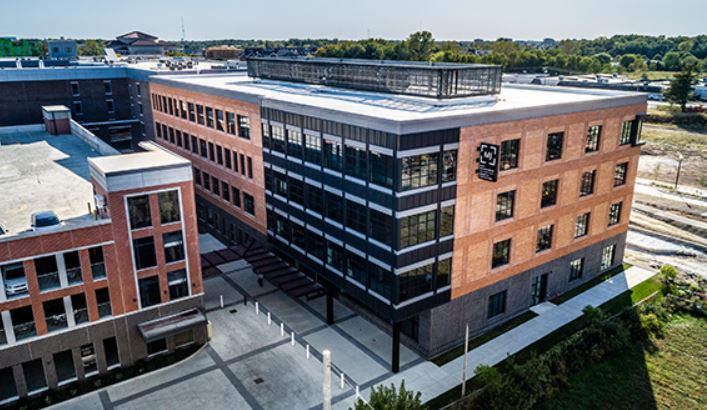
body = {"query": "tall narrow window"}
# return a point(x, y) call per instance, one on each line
point(192, 116)
point(449, 166)
point(549, 193)
point(249, 204)
point(504, 205)
point(576, 269)
point(554, 146)
point(355, 161)
point(149, 291)
point(497, 304)
point(620, 174)
point(593, 136)
point(501, 253)
point(219, 120)
point(382, 169)
point(313, 149)
point(446, 221)
point(380, 226)
point(626, 132)
point(544, 238)
point(333, 155)
point(173, 246)
point(231, 123)
point(586, 186)
point(278, 139)
point(607, 257)
point(139, 211)
point(169, 206)
point(243, 127)
point(209, 117)
point(144, 251)
point(510, 153)
point(294, 143)
point(178, 286)
point(200, 114)
point(615, 213)
point(582, 225)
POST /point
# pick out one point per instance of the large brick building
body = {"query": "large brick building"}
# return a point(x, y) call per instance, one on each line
point(364, 175)
point(111, 276)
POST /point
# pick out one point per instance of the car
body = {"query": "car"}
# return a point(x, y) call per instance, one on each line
point(16, 286)
point(45, 221)
point(656, 97)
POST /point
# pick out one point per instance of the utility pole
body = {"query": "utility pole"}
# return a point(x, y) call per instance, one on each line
point(466, 359)
point(326, 385)
point(677, 177)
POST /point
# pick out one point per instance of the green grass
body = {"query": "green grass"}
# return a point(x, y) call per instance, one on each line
point(483, 338)
point(671, 374)
point(611, 307)
point(590, 284)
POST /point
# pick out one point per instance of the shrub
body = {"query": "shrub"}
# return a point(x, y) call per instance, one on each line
point(389, 398)
point(652, 324)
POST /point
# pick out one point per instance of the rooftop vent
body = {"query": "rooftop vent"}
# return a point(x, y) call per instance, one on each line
point(436, 80)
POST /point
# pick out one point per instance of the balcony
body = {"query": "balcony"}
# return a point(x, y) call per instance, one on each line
point(104, 309)
point(24, 330)
point(74, 276)
point(48, 281)
point(98, 270)
point(81, 315)
point(57, 322)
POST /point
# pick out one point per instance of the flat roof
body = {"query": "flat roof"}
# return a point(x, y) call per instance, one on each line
point(138, 162)
point(41, 172)
point(403, 113)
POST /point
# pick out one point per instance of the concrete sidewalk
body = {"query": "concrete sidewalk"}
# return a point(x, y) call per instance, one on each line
point(431, 380)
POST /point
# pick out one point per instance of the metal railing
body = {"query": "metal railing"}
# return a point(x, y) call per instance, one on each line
point(104, 309)
point(56, 322)
point(24, 330)
point(74, 275)
point(48, 281)
point(81, 315)
point(98, 270)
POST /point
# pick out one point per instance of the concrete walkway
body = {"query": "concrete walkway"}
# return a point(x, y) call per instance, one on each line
point(249, 363)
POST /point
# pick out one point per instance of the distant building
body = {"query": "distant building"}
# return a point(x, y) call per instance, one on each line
point(279, 51)
point(62, 49)
point(223, 52)
point(139, 43)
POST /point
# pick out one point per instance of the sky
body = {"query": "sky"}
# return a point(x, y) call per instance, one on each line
point(392, 19)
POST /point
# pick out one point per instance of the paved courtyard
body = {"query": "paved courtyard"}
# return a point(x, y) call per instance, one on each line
point(251, 363)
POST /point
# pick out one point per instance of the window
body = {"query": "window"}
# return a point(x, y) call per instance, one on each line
point(35, 378)
point(75, 91)
point(335, 256)
point(356, 161)
point(576, 269)
point(156, 347)
point(78, 303)
point(209, 117)
point(230, 123)
point(200, 114)
point(446, 221)
point(313, 198)
point(415, 282)
point(215, 186)
point(103, 302)
point(278, 139)
point(249, 203)
point(593, 136)
point(419, 171)
point(449, 166)
point(244, 126)
point(139, 211)
point(333, 156)
point(549, 193)
point(554, 146)
point(202, 148)
point(615, 213)
point(98, 265)
point(236, 197)
point(419, 228)
point(177, 282)
point(108, 87)
point(586, 186)
point(504, 205)
point(227, 158)
point(72, 263)
point(444, 272)
point(356, 268)
point(47, 273)
point(620, 174)
point(381, 227)
point(110, 106)
point(110, 348)
point(510, 153)
point(544, 238)
point(13, 276)
point(607, 257)
point(8, 388)
point(313, 149)
point(64, 366)
point(55, 315)
point(219, 155)
point(78, 108)
point(626, 132)
point(501, 253)
point(219, 120)
point(356, 216)
point(250, 167)
point(294, 143)
point(194, 145)
point(296, 191)
point(379, 280)
point(190, 107)
point(144, 250)
point(169, 206)
point(382, 169)
point(149, 291)
point(212, 152)
point(581, 227)
point(497, 304)
point(138, 90)
point(225, 191)
point(334, 207)
point(173, 246)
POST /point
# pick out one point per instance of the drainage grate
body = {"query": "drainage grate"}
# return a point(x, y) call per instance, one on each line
point(232, 311)
point(258, 380)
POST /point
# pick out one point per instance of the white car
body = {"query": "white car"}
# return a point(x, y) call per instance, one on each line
point(16, 286)
point(45, 221)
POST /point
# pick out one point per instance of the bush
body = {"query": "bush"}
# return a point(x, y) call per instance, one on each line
point(389, 398)
point(652, 324)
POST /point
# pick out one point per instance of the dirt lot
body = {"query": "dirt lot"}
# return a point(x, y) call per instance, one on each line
point(659, 156)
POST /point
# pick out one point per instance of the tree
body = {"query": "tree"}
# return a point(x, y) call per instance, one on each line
point(419, 46)
point(672, 61)
point(389, 398)
point(680, 89)
point(92, 48)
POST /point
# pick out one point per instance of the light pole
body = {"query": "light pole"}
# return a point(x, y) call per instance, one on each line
point(326, 385)
point(466, 360)
point(677, 177)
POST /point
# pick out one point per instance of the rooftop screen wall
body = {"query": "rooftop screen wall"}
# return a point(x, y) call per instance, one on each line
point(436, 80)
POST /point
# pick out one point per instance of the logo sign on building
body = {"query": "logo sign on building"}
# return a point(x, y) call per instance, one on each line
point(488, 162)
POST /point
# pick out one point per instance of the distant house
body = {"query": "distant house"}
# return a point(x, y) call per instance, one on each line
point(223, 53)
point(62, 49)
point(139, 43)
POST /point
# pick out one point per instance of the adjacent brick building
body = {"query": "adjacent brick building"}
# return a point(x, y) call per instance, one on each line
point(113, 278)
